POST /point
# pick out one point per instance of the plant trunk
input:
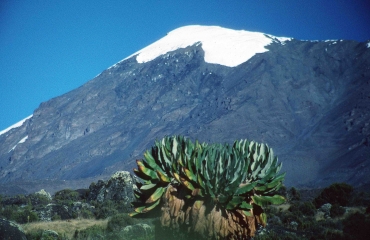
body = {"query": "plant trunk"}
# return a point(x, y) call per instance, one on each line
point(204, 219)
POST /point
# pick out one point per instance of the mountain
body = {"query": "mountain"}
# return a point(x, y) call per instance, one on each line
point(309, 100)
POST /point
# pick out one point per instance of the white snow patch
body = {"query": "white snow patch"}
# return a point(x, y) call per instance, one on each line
point(368, 45)
point(221, 45)
point(18, 124)
point(21, 141)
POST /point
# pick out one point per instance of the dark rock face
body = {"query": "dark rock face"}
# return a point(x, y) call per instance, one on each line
point(11, 230)
point(308, 100)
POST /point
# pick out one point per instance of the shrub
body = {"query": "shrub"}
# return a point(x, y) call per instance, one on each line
point(56, 217)
point(38, 199)
point(16, 200)
point(303, 208)
point(307, 208)
point(19, 215)
point(337, 211)
point(106, 209)
point(35, 234)
point(356, 226)
point(337, 193)
point(66, 195)
point(293, 194)
point(118, 221)
point(94, 232)
point(85, 213)
point(368, 210)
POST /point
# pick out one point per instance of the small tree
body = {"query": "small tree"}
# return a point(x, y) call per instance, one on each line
point(213, 190)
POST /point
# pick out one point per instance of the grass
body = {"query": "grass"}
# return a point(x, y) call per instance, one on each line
point(66, 228)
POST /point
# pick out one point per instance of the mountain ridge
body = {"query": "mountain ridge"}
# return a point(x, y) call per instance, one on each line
point(307, 100)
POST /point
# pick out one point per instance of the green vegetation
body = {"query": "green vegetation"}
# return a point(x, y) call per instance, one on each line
point(337, 193)
point(305, 215)
point(231, 183)
point(356, 226)
point(67, 195)
point(295, 219)
point(337, 211)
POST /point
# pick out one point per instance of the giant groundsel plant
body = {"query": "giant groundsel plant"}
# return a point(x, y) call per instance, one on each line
point(216, 191)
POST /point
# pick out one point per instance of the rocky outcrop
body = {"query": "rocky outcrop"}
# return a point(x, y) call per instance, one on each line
point(324, 211)
point(11, 230)
point(120, 187)
point(42, 192)
point(63, 212)
point(54, 211)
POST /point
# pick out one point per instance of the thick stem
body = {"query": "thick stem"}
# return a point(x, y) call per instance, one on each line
point(203, 218)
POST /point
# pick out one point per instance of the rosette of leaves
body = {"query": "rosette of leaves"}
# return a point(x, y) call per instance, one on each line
point(215, 190)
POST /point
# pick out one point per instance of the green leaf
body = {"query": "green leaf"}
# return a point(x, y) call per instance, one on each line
point(278, 178)
point(246, 205)
point(165, 156)
point(263, 218)
point(266, 200)
point(174, 146)
point(156, 195)
point(148, 186)
point(260, 188)
point(177, 177)
point(141, 175)
point(147, 209)
point(234, 202)
point(187, 184)
point(223, 199)
point(245, 188)
point(139, 209)
point(150, 160)
point(190, 174)
point(163, 177)
point(200, 181)
point(148, 172)
point(133, 214)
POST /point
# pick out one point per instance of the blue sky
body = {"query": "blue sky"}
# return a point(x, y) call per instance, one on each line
point(48, 48)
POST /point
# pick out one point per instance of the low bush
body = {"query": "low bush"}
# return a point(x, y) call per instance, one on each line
point(303, 208)
point(356, 226)
point(19, 214)
point(368, 210)
point(337, 193)
point(86, 213)
point(119, 221)
point(66, 195)
point(336, 211)
point(293, 194)
point(94, 232)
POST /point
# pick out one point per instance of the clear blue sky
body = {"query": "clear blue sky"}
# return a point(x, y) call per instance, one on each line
point(50, 47)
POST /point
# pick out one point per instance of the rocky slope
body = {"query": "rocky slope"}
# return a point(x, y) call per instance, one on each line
point(309, 100)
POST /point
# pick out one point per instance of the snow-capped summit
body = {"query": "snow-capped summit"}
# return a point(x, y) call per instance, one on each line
point(221, 45)
point(307, 99)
